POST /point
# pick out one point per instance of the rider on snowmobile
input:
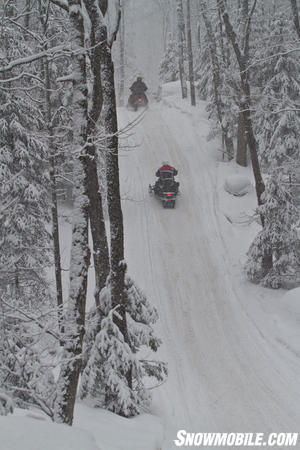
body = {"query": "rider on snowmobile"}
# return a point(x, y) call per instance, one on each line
point(139, 88)
point(166, 180)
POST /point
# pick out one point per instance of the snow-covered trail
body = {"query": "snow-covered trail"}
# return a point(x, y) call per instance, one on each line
point(224, 374)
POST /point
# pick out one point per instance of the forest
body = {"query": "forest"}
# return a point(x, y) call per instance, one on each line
point(65, 71)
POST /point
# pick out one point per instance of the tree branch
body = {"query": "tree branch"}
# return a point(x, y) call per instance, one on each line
point(29, 59)
point(115, 32)
point(61, 3)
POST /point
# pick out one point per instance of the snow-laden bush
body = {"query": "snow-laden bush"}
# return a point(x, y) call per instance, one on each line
point(106, 375)
point(114, 364)
point(26, 346)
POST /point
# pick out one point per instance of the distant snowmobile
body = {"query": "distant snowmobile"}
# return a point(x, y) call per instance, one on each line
point(166, 188)
point(137, 97)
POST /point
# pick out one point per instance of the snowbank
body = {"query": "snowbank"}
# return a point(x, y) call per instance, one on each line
point(111, 432)
point(93, 429)
point(291, 301)
point(287, 321)
point(24, 432)
point(237, 185)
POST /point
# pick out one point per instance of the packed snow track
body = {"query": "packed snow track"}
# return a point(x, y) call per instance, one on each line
point(225, 374)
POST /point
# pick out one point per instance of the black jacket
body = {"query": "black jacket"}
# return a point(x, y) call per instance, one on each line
point(138, 86)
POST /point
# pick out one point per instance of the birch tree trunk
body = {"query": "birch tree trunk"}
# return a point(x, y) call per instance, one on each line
point(48, 115)
point(181, 46)
point(54, 208)
point(80, 255)
point(190, 54)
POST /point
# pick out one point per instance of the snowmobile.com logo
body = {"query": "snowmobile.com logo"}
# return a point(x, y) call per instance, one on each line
point(185, 439)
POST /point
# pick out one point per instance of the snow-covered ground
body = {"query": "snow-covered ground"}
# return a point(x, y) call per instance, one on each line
point(232, 365)
point(232, 348)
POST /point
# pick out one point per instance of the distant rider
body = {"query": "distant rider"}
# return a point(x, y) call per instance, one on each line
point(139, 88)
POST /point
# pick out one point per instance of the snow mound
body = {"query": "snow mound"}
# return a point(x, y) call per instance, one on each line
point(237, 185)
point(287, 321)
point(112, 432)
point(291, 302)
point(23, 432)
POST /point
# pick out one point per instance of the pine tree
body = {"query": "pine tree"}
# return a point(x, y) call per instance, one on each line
point(278, 236)
point(105, 376)
point(278, 130)
point(104, 380)
point(168, 69)
point(25, 240)
point(278, 119)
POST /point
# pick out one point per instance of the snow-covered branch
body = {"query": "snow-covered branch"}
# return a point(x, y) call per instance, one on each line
point(52, 52)
point(22, 75)
point(61, 3)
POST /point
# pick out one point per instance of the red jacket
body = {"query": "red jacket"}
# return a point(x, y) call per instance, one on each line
point(166, 168)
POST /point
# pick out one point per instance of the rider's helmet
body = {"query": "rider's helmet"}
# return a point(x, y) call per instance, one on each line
point(139, 79)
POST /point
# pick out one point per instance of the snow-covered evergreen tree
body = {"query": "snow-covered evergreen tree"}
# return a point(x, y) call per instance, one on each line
point(278, 118)
point(25, 241)
point(105, 377)
point(203, 70)
point(168, 69)
point(24, 210)
point(277, 238)
point(104, 380)
point(278, 131)
point(27, 351)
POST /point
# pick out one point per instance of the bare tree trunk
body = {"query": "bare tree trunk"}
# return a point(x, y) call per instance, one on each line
point(217, 84)
point(118, 266)
point(122, 58)
point(190, 54)
point(241, 148)
point(80, 255)
point(27, 16)
point(181, 46)
point(198, 31)
point(100, 246)
point(295, 16)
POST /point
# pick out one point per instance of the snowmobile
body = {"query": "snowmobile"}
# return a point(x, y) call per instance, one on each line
point(166, 190)
point(136, 100)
